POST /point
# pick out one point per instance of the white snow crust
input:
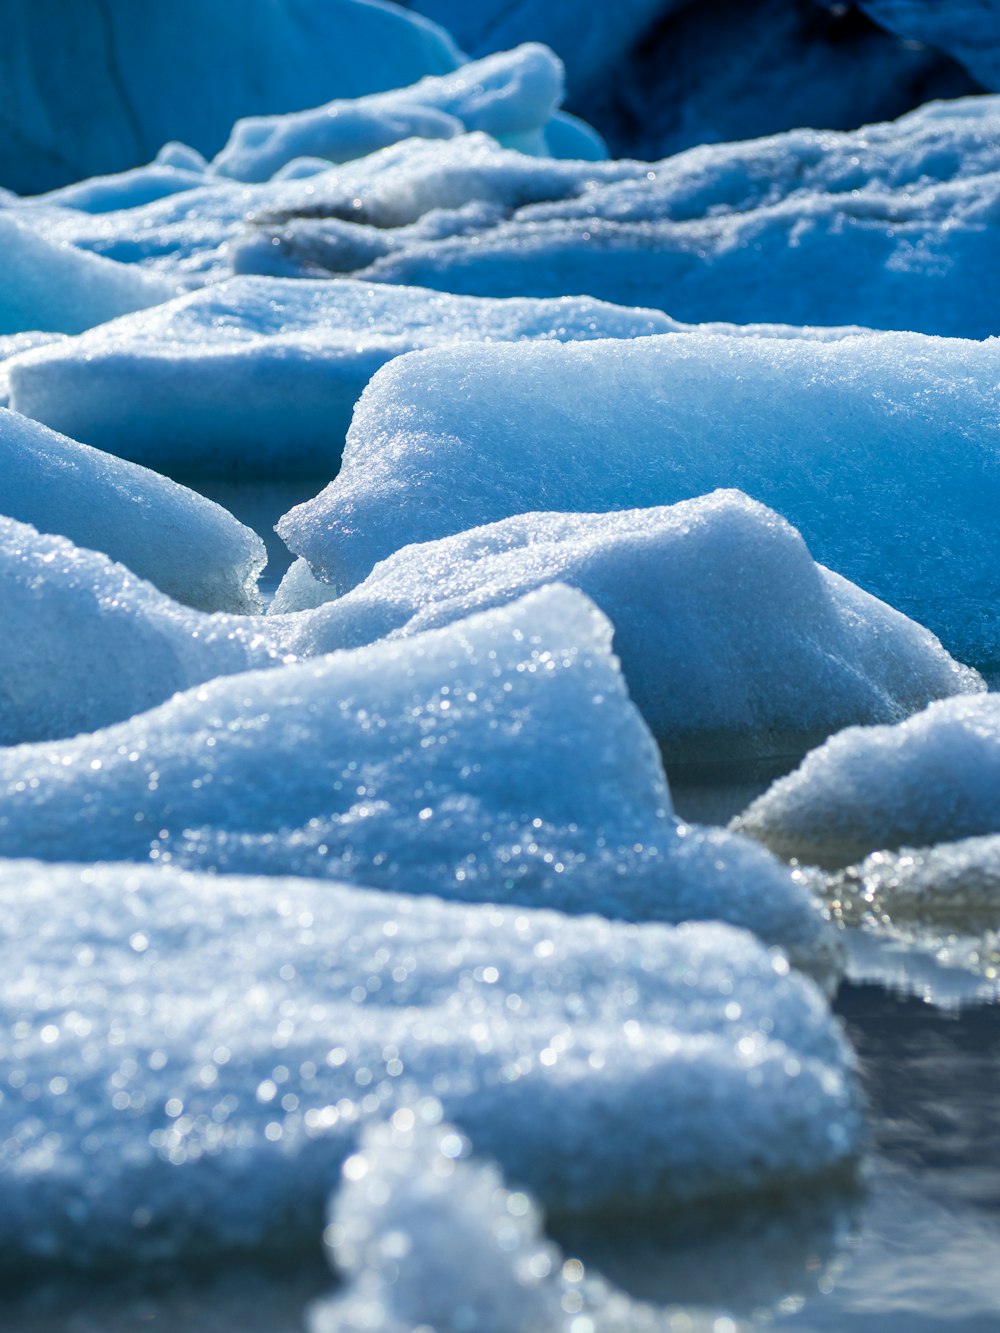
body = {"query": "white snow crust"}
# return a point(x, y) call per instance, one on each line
point(256, 375)
point(933, 778)
point(881, 449)
point(187, 1060)
point(496, 759)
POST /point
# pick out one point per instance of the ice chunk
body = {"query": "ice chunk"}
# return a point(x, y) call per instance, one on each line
point(189, 547)
point(882, 450)
point(13, 344)
point(735, 645)
point(68, 612)
point(192, 237)
point(504, 94)
point(55, 287)
point(103, 87)
point(499, 759)
point(129, 189)
point(737, 649)
point(890, 226)
point(433, 1239)
point(924, 920)
point(934, 778)
point(260, 375)
point(193, 1056)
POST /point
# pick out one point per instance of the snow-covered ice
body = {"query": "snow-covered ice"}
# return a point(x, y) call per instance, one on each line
point(933, 778)
point(428, 1237)
point(513, 93)
point(735, 646)
point(188, 1060)
point(51, 286)
point(881, 449)
point(260, 375)
point(891, 226)
point(498, 759)
point(192, 549)
point(68, 613)
point(734, 643)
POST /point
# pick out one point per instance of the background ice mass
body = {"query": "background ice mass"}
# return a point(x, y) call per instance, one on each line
point(381, 898)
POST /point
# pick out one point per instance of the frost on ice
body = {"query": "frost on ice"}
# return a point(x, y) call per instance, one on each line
point(934, 778)
point(498, 759)
point(739, 651)
point(260, 375)
point(890, 226)
point(189, 1058)
point(189, 547)
point(882, 450)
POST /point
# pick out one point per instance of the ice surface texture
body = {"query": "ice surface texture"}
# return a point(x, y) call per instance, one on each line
point(934, 778)
point(890, 226)
point(882, 450)
point(510, 94)
point(187, 1060)
point(496, 759)
point(54, 287)
point(101, 86)
point(87, 643)
point(733, 642)
point(735, 646)
point(259, 375)
point(190, 548)
point(429, 1238)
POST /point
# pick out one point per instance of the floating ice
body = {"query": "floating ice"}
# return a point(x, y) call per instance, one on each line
point(934, 778)
point(512, 93)
point(175, 170)
point(261, 375)
point(55, 287)
point(428, 1238)
point(733, 642)
point(189, 547)
point(882, 450)
point(499, 759)
point(890, 226)
point(187, 1060)
point(106, 85)
point(924, 920)
point(193, 236)
point(70, 614)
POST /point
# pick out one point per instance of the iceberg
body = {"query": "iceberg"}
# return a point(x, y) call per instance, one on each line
point(192, 549)
point(101, 87)
point(512, 93)
point(498, 759)
point(188, 1060)
point(934, 778)
point(880, 449)
point(257, 375)
point(53, 287)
